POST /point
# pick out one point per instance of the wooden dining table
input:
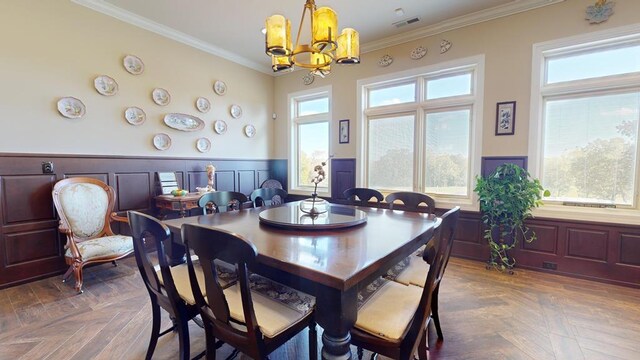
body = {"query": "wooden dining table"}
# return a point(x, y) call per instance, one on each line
point(331, 264)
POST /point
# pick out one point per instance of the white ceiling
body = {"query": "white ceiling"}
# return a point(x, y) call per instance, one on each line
point(231, 29)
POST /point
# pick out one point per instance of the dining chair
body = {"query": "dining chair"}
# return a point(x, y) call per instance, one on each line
point(412, 201)
point(363, 196)
point(85, 207)
point(393, 318)
point(221, 201)
point(267, 197)
point(255, 315)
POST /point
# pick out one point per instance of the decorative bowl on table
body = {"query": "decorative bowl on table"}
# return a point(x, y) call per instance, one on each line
point(179, 192)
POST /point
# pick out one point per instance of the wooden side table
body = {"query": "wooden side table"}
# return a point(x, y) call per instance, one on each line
point(181, 204)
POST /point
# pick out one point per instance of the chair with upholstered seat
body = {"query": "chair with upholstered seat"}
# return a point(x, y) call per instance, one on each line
point(392, 317)
point(221, 201)
point(363, 196)
point(85, 206)
point(268, 197)
point(255, 315)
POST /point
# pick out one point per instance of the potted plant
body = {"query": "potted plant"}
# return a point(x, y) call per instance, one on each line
point(506, 199)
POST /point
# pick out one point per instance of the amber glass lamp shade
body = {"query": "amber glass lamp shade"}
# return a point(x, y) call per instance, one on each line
point(321, 64)
point(348, 51)
point(278, 36)
point(280, 63)
point(324, 29)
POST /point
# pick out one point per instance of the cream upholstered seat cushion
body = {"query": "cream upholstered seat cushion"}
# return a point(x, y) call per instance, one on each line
point(388, 311)
point(104, 246)
point(85, 207)
point(277, 307)
point(415, 273)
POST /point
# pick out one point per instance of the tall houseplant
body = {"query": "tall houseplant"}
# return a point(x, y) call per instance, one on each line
point(507, 197)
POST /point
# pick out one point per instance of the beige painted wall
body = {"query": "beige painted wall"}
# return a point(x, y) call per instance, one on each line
point(507, 45)
point(55, 48)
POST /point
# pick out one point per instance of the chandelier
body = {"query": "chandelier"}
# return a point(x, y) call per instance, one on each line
point(324, 47)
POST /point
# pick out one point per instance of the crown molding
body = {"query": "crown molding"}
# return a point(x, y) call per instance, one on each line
point(514, 7)
point(168, 32)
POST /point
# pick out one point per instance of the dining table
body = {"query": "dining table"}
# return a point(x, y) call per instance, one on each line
point(331, 262)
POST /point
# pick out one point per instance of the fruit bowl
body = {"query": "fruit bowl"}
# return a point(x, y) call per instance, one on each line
point(179, 192)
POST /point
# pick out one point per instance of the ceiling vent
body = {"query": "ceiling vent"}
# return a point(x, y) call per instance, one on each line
point(404, 22)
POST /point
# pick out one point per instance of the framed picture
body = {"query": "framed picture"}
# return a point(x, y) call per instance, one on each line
point(506, 118)
point(344, 132)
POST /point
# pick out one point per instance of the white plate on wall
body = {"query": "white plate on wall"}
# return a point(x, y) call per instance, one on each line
point(220, 87)
point(220, 127)
point(135, 116)
point(161, 96)
point(183, 122)
point(203, 105)
point(249, 131)
point(71, 107)
point(105, 85)
point(235, 111)
point(162, 141)
point(203, 145)
point(133, 64)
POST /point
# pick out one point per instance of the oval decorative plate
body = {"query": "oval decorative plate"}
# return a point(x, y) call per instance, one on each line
point(135, 115)
point(162, 141)
point(203, 145)
point(236, 111)
point(249, 130)
point(71, 107)
point(161, 96)
point(133, 64)
point(220, 87)
point(220, 127)
point(105, 85)
point(183, 122)
point(418, 53)
point(203, 105)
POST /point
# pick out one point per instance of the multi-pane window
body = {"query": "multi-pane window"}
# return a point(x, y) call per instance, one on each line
point(585, 139)
point(310, 140)
point(421, 132)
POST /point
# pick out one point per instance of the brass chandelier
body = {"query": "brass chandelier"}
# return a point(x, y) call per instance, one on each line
point(324, 48)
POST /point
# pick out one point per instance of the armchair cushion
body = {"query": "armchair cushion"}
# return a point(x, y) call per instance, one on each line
point(85, 206)
point(105, 246)
point(388, 309)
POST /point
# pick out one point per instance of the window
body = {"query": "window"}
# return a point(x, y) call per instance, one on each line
point(586, 106)
point(310, 141)
point(421, 130)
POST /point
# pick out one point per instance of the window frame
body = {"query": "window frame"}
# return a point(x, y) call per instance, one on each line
point(422, 106)
point(293, 99)
point(542, 92)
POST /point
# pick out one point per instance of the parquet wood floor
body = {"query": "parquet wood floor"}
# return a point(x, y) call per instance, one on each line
point(484, 314)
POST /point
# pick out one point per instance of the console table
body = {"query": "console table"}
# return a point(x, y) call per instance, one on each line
point(182, 204)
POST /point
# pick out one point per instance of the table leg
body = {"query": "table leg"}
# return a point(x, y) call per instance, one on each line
point(336, 312)
point(175, 251)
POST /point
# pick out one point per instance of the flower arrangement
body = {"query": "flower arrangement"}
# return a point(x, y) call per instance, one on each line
point(320, 175)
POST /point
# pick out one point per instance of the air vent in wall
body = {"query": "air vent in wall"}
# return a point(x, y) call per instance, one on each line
point(405, 22)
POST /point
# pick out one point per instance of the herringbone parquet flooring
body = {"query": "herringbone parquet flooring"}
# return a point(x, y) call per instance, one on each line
point(484, 314)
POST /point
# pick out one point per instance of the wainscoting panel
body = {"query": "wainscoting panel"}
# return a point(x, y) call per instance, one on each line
point(343, 175)
point(629, 245)
point(547, 239)
point(587, 244)
point(31, 246)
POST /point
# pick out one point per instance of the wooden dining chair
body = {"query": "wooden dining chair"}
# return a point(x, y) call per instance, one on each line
point(221, 201)
point(85, 207)
point(363, 196)
point(412, 201)
point(271, 183)
point(255, 315)
point(267, 197)
point(393, 318)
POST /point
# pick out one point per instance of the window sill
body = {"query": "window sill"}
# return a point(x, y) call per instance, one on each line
point(308, 193)
point(604, 215)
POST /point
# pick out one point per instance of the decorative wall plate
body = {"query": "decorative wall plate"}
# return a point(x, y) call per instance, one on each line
point(220, 87)
point(203, 105)
point(162, 141)
point(161, 96)
point(386, 60)
point(203, 145)
point(308, 79)
point(249, 130)
point(135, 115)
point(71, 107)
point(105, 85)
point(220, 127)
point(183, 122)
point(599, 12)
point(236, 111)
point(445, 45)
point(133, 64)
point(418, 53)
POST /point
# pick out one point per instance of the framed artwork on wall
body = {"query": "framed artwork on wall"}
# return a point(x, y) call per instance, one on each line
point(344, 132)
point(506, 118)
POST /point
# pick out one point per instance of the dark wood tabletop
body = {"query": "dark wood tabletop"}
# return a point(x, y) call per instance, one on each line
point(330, 264)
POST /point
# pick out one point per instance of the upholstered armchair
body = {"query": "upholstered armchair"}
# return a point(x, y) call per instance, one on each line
point(85, 208)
